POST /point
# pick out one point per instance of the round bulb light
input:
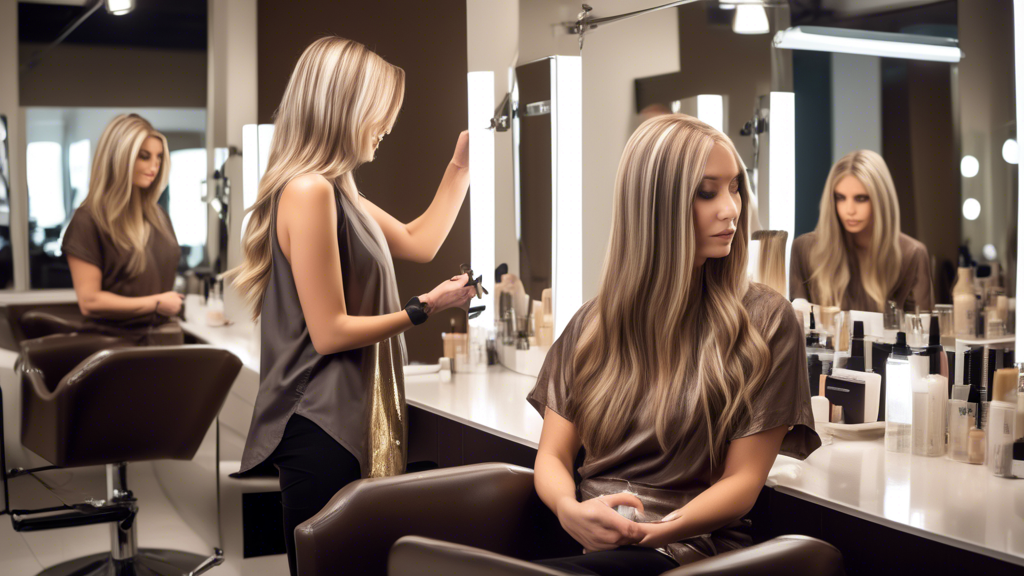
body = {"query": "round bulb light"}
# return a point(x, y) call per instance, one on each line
point(989, 252)
point(969, 167)
point(1011, 152)
point(972, 209)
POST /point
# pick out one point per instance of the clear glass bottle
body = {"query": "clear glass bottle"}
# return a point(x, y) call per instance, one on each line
point(899, 397)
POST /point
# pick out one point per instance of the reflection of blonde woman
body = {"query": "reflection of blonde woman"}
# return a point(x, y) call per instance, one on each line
point(857, 258)
point(680, 379)
point(120, 245)
point(318, 269)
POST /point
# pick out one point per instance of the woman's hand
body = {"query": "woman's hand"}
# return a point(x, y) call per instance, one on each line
point(461, 156)
point(659, 534)
point(449, 294)
point(596, 525)
point(168, 303)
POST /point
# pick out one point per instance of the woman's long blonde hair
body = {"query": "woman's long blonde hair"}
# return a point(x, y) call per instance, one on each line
point(127, 218)
point(340, 97)
point(660, 319)
point(833, 248)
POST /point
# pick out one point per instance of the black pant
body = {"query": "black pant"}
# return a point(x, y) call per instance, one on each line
point(625, 561)
point(313, 467)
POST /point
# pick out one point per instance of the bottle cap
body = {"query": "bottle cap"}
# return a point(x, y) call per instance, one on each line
point(901, 348)
point(934, 337)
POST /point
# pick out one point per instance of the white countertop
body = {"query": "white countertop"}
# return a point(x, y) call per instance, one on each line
point(958, 504)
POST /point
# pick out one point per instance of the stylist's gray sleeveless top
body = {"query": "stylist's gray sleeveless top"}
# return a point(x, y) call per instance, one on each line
point(356, 396)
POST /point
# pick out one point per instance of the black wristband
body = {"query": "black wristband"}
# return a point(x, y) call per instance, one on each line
point(416, 311)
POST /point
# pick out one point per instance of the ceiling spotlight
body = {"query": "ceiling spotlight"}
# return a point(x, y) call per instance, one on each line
point(120, 7)
point(750, 19)
point(1011, 152)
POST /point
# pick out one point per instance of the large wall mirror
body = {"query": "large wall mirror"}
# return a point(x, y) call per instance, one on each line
point(79, 68)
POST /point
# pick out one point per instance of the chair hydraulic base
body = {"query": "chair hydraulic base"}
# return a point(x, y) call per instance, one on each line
point(147, 562)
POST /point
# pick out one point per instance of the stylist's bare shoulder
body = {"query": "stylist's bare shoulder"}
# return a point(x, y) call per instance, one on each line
point(307, 195)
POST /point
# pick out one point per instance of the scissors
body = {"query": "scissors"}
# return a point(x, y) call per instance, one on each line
point(477, 283)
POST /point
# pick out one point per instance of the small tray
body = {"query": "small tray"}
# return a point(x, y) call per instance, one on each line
point(854, 431)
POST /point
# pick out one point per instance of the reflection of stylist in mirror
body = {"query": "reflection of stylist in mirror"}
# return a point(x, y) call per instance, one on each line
point(318, 271)
point(120, 245)
point(857, 258)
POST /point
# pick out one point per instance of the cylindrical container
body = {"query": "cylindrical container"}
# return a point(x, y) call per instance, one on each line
point(976, 446)
point(945, 314)
point(929, 425)
point(965, 315)
point(1001, 422)
point(961, 419)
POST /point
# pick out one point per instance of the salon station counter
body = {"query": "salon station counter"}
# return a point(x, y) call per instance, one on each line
point(931, 513)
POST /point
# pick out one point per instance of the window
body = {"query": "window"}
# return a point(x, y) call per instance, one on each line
point(187, 210)
point(45, 184)
point(78, 171)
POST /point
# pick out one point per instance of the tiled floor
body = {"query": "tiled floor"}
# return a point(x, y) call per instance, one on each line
point(159, 525)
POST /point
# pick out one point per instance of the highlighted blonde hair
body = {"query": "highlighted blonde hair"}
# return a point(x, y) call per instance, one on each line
point(340, 97)
point(127, 218)
point(833, 250)
point(661, 321)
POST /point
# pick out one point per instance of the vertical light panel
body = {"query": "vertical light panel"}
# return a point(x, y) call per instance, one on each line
point(255, 153)
point(481, 184)
point(1018, 47)
point(711, 110)
point(782, 167)
point(567, 188)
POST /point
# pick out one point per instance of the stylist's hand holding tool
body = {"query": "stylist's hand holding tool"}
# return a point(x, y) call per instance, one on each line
point(452, 293)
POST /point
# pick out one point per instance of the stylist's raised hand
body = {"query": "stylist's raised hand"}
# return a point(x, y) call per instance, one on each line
point(168, 303)
point(449, 294)
point(596, 525)
point(461, 156)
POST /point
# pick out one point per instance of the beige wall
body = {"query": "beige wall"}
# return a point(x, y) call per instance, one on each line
point(85, 75)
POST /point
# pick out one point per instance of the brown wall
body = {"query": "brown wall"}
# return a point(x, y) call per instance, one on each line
point(81, 75)
point(429, 43)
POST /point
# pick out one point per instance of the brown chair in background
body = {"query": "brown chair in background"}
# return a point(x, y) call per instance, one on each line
point(485, 519)
point(89, 399)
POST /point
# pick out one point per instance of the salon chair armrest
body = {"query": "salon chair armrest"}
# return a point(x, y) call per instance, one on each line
point(782, 555)
point(51, 357)
point(415, 555)
point(490, 506)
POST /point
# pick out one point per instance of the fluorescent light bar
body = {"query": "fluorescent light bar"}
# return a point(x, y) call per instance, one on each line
point(567, 188)
point(1018, 48)
point(884, 44)
point(782, 167)
point(480, 90)
point(750, 19)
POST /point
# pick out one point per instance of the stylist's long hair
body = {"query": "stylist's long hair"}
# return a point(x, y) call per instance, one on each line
point(127, 218)
point(340, 98)
point(661, 320)
point(833, 248)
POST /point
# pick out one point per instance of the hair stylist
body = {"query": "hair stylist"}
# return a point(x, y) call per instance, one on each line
point(318, 267)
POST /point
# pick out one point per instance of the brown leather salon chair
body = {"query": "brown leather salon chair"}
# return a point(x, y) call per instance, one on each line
point(89, 399)
point(486, 519)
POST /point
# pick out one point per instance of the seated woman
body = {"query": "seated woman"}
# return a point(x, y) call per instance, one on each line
point(857, 258)
point(680, 380)
point(120, 245)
